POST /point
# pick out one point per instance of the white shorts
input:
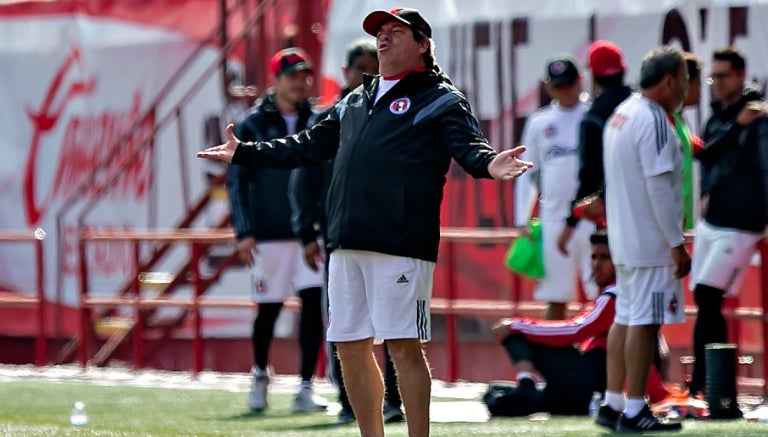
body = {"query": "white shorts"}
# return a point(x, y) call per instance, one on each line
point(374, 295)
point(279, 270)
point(563, 272)
point(721, 256)
point(648, 296)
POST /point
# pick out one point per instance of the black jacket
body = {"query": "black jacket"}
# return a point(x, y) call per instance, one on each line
point(591, 171)
point(391, 162)
point(307, 191)
point(258, 197)
point(734, 165)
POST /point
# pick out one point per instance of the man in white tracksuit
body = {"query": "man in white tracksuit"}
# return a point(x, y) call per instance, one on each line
point(551, 137)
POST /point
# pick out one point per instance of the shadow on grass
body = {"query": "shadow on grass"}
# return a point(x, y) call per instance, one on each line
point(283, 421)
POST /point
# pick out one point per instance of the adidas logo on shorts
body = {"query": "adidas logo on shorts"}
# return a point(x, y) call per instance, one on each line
point(402, 280)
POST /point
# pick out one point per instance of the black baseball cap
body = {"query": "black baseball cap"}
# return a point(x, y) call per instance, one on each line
point(410, 17)
point(562, 70)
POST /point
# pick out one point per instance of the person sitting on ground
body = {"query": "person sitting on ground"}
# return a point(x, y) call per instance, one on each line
point(543, 349)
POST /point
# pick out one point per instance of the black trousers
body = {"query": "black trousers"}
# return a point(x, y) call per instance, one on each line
point(572, 376)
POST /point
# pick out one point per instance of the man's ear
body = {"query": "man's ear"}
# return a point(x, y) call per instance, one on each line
point(423, 46)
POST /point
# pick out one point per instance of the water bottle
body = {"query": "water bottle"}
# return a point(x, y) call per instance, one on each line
point(78, 416)
point(594, 404)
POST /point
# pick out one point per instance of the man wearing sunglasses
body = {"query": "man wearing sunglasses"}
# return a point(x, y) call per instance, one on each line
point(734, 191)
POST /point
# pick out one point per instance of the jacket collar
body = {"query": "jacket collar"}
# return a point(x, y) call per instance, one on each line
point(414, 79)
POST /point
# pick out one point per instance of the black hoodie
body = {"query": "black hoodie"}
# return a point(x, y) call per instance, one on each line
point(258, 197)
point(734, 165)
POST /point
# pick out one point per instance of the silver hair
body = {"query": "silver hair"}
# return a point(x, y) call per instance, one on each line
point(660, 62)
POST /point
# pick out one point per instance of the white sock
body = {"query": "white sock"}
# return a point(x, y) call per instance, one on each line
point(522, 375)
point(615, 400)
point(305, 385)
point(259, 372)
point(634, 406)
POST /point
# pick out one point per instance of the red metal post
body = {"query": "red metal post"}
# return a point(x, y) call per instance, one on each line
point(197, 341)
point(450, 317)
point(138, 327)
point(763, 247)
point(41, 353)
point(84, 310)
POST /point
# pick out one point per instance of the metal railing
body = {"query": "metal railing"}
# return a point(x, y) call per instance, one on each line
point(38, 299)
point(451, 306)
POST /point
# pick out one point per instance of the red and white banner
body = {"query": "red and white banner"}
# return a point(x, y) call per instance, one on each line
point(72, 85)
point(75, 77)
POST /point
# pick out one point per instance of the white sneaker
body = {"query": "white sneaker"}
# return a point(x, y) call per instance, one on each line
point(305, 402)
point(257, 398)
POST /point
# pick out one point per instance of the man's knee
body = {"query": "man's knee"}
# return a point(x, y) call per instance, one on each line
point(708, 299)
point(354, 350)
point(407, 350)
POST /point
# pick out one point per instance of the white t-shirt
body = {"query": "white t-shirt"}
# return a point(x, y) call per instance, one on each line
point(384, 86)
point(640, 145)
point(291, 120)
point(551, 138)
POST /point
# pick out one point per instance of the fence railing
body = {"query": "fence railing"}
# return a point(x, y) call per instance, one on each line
point(35, 299)
point(451, 306)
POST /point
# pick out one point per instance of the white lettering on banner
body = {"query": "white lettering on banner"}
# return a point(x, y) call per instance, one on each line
point(87, 140)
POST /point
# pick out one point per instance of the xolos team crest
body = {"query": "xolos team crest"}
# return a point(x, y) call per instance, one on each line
point(400, 106)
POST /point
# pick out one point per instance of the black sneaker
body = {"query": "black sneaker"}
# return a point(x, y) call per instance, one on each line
point(514, 401)
point(646, 421)
point(393, 413)
point(608, 417)
point(526, 388)
point(346, 416)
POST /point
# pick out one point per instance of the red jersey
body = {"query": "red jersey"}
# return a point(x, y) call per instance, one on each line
point(589, 328)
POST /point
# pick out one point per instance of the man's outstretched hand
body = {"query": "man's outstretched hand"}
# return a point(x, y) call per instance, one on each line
point(506, 166)
point(224, 152)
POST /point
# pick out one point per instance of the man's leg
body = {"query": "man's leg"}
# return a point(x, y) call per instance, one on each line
point(310, 340)
point(710, 327)
point(310, 331)
point(261, 338)
point(640, 344)
point(613, 403)
point(615, 365)
point(415, 383)
point(521, 352)
point(364, 384)
point(392, 402)
point(263, 331)
point(346, 407)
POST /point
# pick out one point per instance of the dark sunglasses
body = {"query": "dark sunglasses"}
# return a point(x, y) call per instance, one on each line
point(720, 76)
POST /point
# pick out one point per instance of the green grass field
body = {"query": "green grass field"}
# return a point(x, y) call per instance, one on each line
point(41, 408)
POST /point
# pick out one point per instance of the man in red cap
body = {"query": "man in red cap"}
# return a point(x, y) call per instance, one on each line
point(393, 139)
point(607, 65)
point(261, 218)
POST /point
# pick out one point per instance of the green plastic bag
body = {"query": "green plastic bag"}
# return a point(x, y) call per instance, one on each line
point(526, 254)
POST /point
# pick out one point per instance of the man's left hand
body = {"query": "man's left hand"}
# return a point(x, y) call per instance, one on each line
point(506, 166)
